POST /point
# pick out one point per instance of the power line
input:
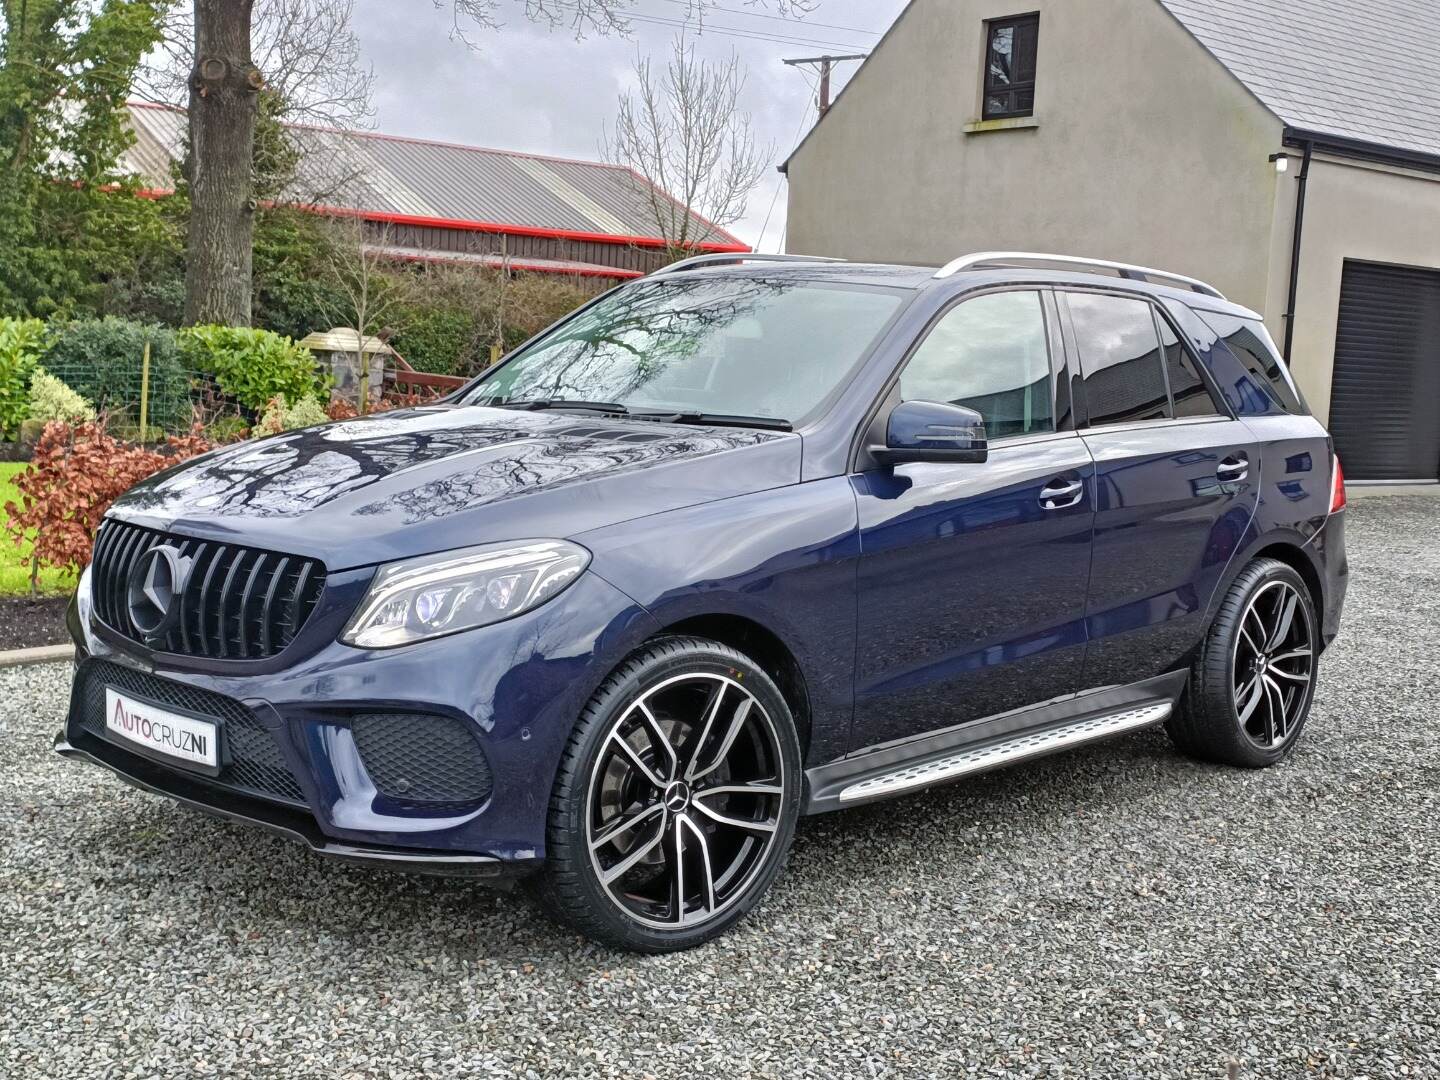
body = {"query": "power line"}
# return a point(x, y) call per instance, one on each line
point(728, 31)
point(737, 32)
point(780, 185)
point(791, 19)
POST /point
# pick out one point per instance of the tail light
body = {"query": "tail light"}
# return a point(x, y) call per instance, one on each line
point(1337, 487)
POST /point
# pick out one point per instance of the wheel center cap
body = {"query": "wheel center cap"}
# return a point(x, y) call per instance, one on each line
point(677, 797)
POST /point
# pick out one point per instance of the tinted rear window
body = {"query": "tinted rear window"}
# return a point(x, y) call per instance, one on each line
point(1189, 391)
point(1120, 357)
point(1250, 343)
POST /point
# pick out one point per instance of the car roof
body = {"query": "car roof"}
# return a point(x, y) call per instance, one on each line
point(917, 278)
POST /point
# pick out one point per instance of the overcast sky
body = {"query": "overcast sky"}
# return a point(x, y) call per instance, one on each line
point(528, 88)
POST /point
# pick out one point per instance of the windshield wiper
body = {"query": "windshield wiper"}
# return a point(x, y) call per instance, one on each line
point(687, 416)
point(541, 404)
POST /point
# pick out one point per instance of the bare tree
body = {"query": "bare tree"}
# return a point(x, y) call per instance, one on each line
point(373, 291)
point(224, 87)
point(682, 130)
point(585, 16)
point(307, 51)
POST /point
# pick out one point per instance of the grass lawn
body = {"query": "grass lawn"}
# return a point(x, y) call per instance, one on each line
point(15, 561)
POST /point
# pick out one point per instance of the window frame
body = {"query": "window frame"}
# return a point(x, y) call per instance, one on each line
point(1013, 23)
point(1217, 399)
point(1076, 369)
point(872, 429)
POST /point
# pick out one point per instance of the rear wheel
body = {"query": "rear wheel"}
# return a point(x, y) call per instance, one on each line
point(676, 800)
point(1251, 687)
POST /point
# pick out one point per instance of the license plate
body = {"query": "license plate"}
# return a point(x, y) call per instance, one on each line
point(168, 734)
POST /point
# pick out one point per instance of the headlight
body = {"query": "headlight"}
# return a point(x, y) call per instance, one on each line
point(459, 590)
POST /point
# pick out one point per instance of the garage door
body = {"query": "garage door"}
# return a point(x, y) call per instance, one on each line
point(1385, 399)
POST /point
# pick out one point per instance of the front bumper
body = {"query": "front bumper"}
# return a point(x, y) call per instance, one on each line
point(516, 687)
point(293, 824)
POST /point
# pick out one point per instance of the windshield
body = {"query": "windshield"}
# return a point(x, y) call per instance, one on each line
point(728, 346)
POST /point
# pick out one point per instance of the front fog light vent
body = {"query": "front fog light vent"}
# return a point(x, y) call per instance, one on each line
point(422, 759)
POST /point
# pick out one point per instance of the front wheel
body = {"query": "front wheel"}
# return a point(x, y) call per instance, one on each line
point(1251, 686)
point(676, 799)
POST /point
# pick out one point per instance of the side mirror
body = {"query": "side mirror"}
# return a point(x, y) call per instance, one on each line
point(933, 431)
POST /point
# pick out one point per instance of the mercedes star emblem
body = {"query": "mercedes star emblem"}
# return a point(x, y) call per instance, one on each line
point(156, 585)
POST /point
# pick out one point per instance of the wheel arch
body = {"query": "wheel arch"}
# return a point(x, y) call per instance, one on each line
point(766, 648)
point(1290, 548)
point(1300, 561)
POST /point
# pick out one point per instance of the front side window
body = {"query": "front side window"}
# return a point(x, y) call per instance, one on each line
point(1120, 357)
point(1010, 55)
point(990, 354)
point(773, 348)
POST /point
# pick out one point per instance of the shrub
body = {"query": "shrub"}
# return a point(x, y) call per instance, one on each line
point(21, 342)
point(71, 481)
point(51, 399)
point(101, 360)
point(307, 412)
point(441, 340)
point(226, 428)
point(252, 366)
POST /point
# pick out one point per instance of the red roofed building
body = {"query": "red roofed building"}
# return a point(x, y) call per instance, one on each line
point(443, 202)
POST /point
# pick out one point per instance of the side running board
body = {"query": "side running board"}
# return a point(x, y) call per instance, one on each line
point(1008, 751)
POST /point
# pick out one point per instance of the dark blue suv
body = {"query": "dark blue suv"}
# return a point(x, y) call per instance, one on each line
point(748, 539)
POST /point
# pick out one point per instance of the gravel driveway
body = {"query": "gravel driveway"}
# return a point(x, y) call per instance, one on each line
point(1116, 912)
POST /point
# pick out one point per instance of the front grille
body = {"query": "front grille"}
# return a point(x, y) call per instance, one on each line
point(431, 761)
point(237, 603)
point(256, 765)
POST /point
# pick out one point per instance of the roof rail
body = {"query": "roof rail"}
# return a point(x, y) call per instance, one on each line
point(727, 258)
point(1126, 270)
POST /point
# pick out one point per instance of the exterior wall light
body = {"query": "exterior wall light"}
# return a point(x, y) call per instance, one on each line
point(1281, 161)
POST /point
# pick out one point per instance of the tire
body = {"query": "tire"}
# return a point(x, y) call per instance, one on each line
point(1252, 684)
point(626, 812)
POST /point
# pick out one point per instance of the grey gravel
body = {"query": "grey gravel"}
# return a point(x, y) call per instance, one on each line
point(1117, 912)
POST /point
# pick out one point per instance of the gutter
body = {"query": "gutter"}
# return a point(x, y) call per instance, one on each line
point(1359, 150)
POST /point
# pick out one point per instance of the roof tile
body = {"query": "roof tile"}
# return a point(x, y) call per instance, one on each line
point(1357, 69)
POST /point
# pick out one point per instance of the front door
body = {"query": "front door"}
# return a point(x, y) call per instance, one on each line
point(972, 578)
point(1176, 483)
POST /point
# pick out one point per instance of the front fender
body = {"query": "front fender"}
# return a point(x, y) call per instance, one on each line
point(783, 559)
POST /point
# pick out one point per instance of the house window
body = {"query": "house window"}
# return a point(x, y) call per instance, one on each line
point(1010, 67)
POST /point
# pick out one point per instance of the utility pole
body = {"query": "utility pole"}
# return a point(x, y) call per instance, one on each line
point(826, 64)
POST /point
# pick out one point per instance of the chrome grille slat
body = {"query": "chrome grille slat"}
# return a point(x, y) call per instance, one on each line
point(291, 625)
point(206, 648)
point(269, 604)
point(225, 594)
point(238, 603)
point(245, 597)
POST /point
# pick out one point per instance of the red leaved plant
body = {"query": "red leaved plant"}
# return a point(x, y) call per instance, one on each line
point(71, 481)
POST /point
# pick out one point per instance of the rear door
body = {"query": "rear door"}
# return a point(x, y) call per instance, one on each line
point(972, 578)
point(1176, 478)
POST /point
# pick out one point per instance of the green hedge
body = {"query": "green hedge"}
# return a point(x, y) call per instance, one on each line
point(438, 340)
point(21, 344)
point(252, 366)
point(101, 359)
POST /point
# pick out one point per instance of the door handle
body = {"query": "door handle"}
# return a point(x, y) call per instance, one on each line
point(1061, 494)
point(1233, 469)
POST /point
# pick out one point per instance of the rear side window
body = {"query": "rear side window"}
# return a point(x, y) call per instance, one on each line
point(1120, 358)
point(990, 354)
point(1189, 392)
point(1250, 343)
